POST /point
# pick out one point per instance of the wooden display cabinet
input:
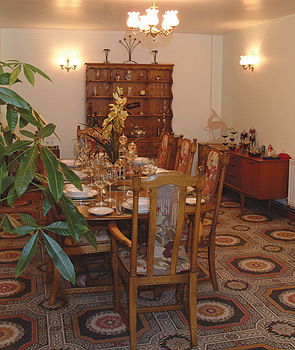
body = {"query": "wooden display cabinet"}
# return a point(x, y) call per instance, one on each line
point(148, 88)
point(263, 179)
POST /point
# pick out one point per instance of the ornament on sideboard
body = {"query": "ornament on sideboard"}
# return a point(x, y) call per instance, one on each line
point(154, 52)
point(216, 127)
point(106, 52)
point(129, 46)
point(252, 136)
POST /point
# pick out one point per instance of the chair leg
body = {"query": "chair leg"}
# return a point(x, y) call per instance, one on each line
point(132, 311)
point(55, 285)
point(193, 308)
point(211, 261)
point(116, 292)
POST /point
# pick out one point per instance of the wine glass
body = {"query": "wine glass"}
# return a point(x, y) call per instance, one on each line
point(130, 157)
point(110, 177)
point(121, 166)
point(100, 183)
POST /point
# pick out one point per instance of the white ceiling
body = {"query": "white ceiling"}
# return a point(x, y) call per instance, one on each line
point(196, 16)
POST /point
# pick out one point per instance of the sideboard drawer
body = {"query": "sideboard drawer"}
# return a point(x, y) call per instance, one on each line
point(143, 147)
point(232, 180)
point(154, 147)
point(233, 168)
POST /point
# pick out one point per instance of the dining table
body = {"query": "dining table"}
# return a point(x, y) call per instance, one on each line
point(118, 212)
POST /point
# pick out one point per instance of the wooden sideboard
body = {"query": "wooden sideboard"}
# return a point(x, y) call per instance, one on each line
point(263, 179)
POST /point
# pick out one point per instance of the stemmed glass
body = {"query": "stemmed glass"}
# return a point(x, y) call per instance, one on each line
point(100, 183)
point(121, 166)
point(110, 177)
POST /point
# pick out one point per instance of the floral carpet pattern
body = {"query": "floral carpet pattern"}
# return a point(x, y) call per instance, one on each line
point(254, 307)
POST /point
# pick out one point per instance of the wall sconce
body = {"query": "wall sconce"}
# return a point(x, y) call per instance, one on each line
point(66, 64)
point(247, 62)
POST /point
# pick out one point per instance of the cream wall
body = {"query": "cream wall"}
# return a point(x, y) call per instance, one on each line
point(197, 60)
point(263, 98)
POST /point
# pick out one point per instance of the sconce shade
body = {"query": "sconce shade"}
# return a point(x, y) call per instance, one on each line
point(247, 62)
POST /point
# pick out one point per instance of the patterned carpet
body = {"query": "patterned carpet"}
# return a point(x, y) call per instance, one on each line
point(254, 308)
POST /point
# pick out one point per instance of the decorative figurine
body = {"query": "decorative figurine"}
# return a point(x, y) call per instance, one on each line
point(128, 75)
point(106, 51)
point(269, 150)
point(252, 136)
point(154, 52)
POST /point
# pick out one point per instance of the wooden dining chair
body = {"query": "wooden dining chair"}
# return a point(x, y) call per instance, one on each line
point(186, 150)
point(162, 259)
point(164, 151)
point(83, 256)
point(83, 134)
point(214, 161)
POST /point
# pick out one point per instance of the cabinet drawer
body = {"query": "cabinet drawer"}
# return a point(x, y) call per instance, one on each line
point(235, 160)
point(142, 146)
point(234, 169)
point(155, 147)
point(233, 180)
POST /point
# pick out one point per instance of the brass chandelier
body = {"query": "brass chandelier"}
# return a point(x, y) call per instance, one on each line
point(146, 24)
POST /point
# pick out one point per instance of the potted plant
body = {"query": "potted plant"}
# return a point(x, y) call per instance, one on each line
point(112, 127)
point(37, 169)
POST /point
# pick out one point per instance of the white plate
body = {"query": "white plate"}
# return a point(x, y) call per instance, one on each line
point(100, 211)
point(143, 203)
point(161, 170)
point(190, 189)
point(192, 200)
point(140, 160)
point(129, 206)
point(80, 174)
point(74, 193)
point(70, 162)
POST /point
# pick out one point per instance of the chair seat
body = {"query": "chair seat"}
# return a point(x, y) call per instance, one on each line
point(100, 233)
point(162, 259)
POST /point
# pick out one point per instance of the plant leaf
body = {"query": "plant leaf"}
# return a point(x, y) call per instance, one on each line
point(47, 131)
point(28, 115)
point(26, 255)
point(4, 79)
point(16, 146)
point(14, 74)
point(26, 171)
point(70, 175)
point(24, 230)
point(22, 122)
point(28, 134)
point(60, 259)
point(8, 96)
point(28, 219)
point(55, 177)
point(29, 74)
point(11, 196)
point(39, 71)
point(59, 227)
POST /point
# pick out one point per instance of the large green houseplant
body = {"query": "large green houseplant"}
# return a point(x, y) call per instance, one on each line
point(24, 149)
